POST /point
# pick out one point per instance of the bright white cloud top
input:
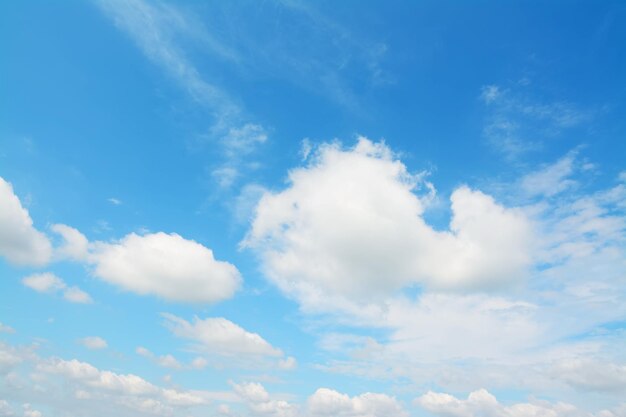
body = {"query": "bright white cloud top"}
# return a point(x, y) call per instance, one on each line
point(220, 336)
point(20, 242)
point(351, 224)
point(166, 265)
point(191, 226)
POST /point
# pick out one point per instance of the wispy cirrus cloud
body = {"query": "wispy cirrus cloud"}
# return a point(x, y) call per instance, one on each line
point(160, 31)
point(157, 29)
point(319, 55)
point(517, 122)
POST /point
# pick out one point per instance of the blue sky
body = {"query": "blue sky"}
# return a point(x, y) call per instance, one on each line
point(317, 209)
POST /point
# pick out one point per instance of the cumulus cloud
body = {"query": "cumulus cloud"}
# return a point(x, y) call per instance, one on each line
point(165, 361)
point(481, 403)
point(20, 242)
point(76, 295)
point(77, 388)
point(94, 342)
point(220, 336)
point(288, 363)
point(350, 224)
point(126, 390)
point(259, 402)
point(44, 282)
point(47, 282)
point(75, 245)
point(9, 358)
point(166, 265)
point(30, 412)
point(326, 403)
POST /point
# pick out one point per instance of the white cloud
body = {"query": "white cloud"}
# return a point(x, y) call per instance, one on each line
point(20, 242)
point(169, 361)
point(592, 375)
point(153, 27)
point(29, 412)
point(165, 265)
point(76, 295)
point(44, 282)
point(158, 29)
point(490, 93)
point(94, 342)
point(220, 336)
point(6, 329)
point(5, 409)
point(165, 361)
point(514, 338)
point(225, 176)
point(305, 148)
point(288, 363)
point(9, 358)
point(350, 224)
point(75, 245)
point(243, 139)
point(199, 363)
point(552, 179)
point(75, 388)
point(329, 403)
point(481, 403)
point(441, 327)
point(127, 391)
point(517, 123)
point(323, 403)
point(114, 201)
point(47, 282)
point(259, 402)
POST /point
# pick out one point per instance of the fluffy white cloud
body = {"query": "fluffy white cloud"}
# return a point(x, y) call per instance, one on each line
point(94, 342)
point(127, 391)
point(165, 361)
point(75, 245)
point(76, 295)
point(329, 403)
point(481, 403)
point(165, 265)
point(259, 402)
point(350, 224)
point(220, 336)
point(30, 412)
point(49, 283)
point(9, 358)
point(288, 363)
point(323, 403)
point(44, 282)
point(20, 242)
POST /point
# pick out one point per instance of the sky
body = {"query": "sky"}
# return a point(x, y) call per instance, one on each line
point(313, 209)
